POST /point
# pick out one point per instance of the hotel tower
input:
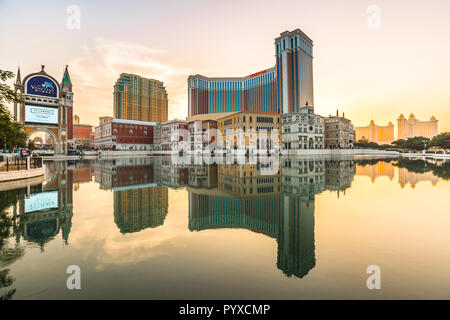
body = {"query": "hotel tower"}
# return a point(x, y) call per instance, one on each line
point(411, 127)
point(138, 98)
point(281, 89)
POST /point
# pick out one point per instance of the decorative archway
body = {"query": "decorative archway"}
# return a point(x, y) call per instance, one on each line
point(53, 132)
point(47, 106)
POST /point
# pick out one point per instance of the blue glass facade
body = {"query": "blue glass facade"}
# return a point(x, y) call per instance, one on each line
point(215, 95)
point(284, 88)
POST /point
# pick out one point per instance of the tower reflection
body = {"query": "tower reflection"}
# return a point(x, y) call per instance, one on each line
point(409, 171)
point(34, 212)
point(280, 205)
point(47, 208)
point(139, 203)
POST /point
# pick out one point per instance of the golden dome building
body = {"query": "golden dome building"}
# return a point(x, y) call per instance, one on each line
point(375, 133)
point(412, 127)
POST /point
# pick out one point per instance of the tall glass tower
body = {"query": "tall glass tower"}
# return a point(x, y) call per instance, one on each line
point(293, 51)
point(138, 98)
point(284, 88)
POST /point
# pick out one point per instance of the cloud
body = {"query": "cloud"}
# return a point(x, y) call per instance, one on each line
point(98, 67)
point(97, 237)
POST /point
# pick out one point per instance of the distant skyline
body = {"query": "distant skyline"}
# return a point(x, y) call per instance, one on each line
point(369, 69)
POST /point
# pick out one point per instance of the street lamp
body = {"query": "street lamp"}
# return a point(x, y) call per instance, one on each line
point(4, 142)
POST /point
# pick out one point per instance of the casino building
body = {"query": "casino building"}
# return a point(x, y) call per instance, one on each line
point(283, 88)
point(375, 133)
point(139, 98)
point(412, 127)
point(47, 106)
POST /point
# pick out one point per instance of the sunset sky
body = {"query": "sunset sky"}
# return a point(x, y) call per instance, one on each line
point(369, 73)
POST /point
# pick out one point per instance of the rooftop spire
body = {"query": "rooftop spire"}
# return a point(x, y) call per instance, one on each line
point(18, 77)
point(18, 83)
point(66, 77)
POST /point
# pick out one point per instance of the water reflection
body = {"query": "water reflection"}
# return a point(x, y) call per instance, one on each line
point(278, 203)
point(44, 210)
point(139, 203)
point(409, 171)
point(8, 252)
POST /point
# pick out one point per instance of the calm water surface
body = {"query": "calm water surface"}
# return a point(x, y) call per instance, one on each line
point(305, 229)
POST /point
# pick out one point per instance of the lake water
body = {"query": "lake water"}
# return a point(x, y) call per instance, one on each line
point(297, 228)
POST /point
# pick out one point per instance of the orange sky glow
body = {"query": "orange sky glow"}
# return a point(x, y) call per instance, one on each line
point(399, 66)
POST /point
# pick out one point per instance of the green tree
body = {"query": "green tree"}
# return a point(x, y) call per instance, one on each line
point(399, 143)
point(442, 170)
point(417, 143)
point(31, 145)
point(8, 231)
point(11, 132)
point(441, 141)
point(366, 145)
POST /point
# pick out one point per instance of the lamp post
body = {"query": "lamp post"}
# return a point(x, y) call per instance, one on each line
point(4, 142)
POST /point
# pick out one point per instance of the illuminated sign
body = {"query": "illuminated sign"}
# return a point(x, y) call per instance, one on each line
point(41, 201)
point(42, 86)
point(257, 74)
point(41, 114)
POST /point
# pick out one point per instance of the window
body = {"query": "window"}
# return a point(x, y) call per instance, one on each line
point(264, 119)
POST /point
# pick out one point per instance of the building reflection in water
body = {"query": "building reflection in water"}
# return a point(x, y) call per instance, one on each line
point(46, 209)
point(339, 175)
point(139, 202)
point(409, 171)
point(276, 199)
point(36, 213)
point(279, 205)
point(375, 170)
point(82, 172)
point(412, 178)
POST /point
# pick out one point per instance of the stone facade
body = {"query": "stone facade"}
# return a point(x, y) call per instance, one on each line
point(202, 135)
point(302, 130)
point(339, 132)
point(172, 135)
point(249, 131)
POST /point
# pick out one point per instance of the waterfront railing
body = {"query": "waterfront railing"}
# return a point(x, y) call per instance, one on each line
point(16, 163)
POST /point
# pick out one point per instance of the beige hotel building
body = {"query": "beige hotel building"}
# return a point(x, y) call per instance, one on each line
point(141, 99)
point(411, 127)
point(375, 133)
